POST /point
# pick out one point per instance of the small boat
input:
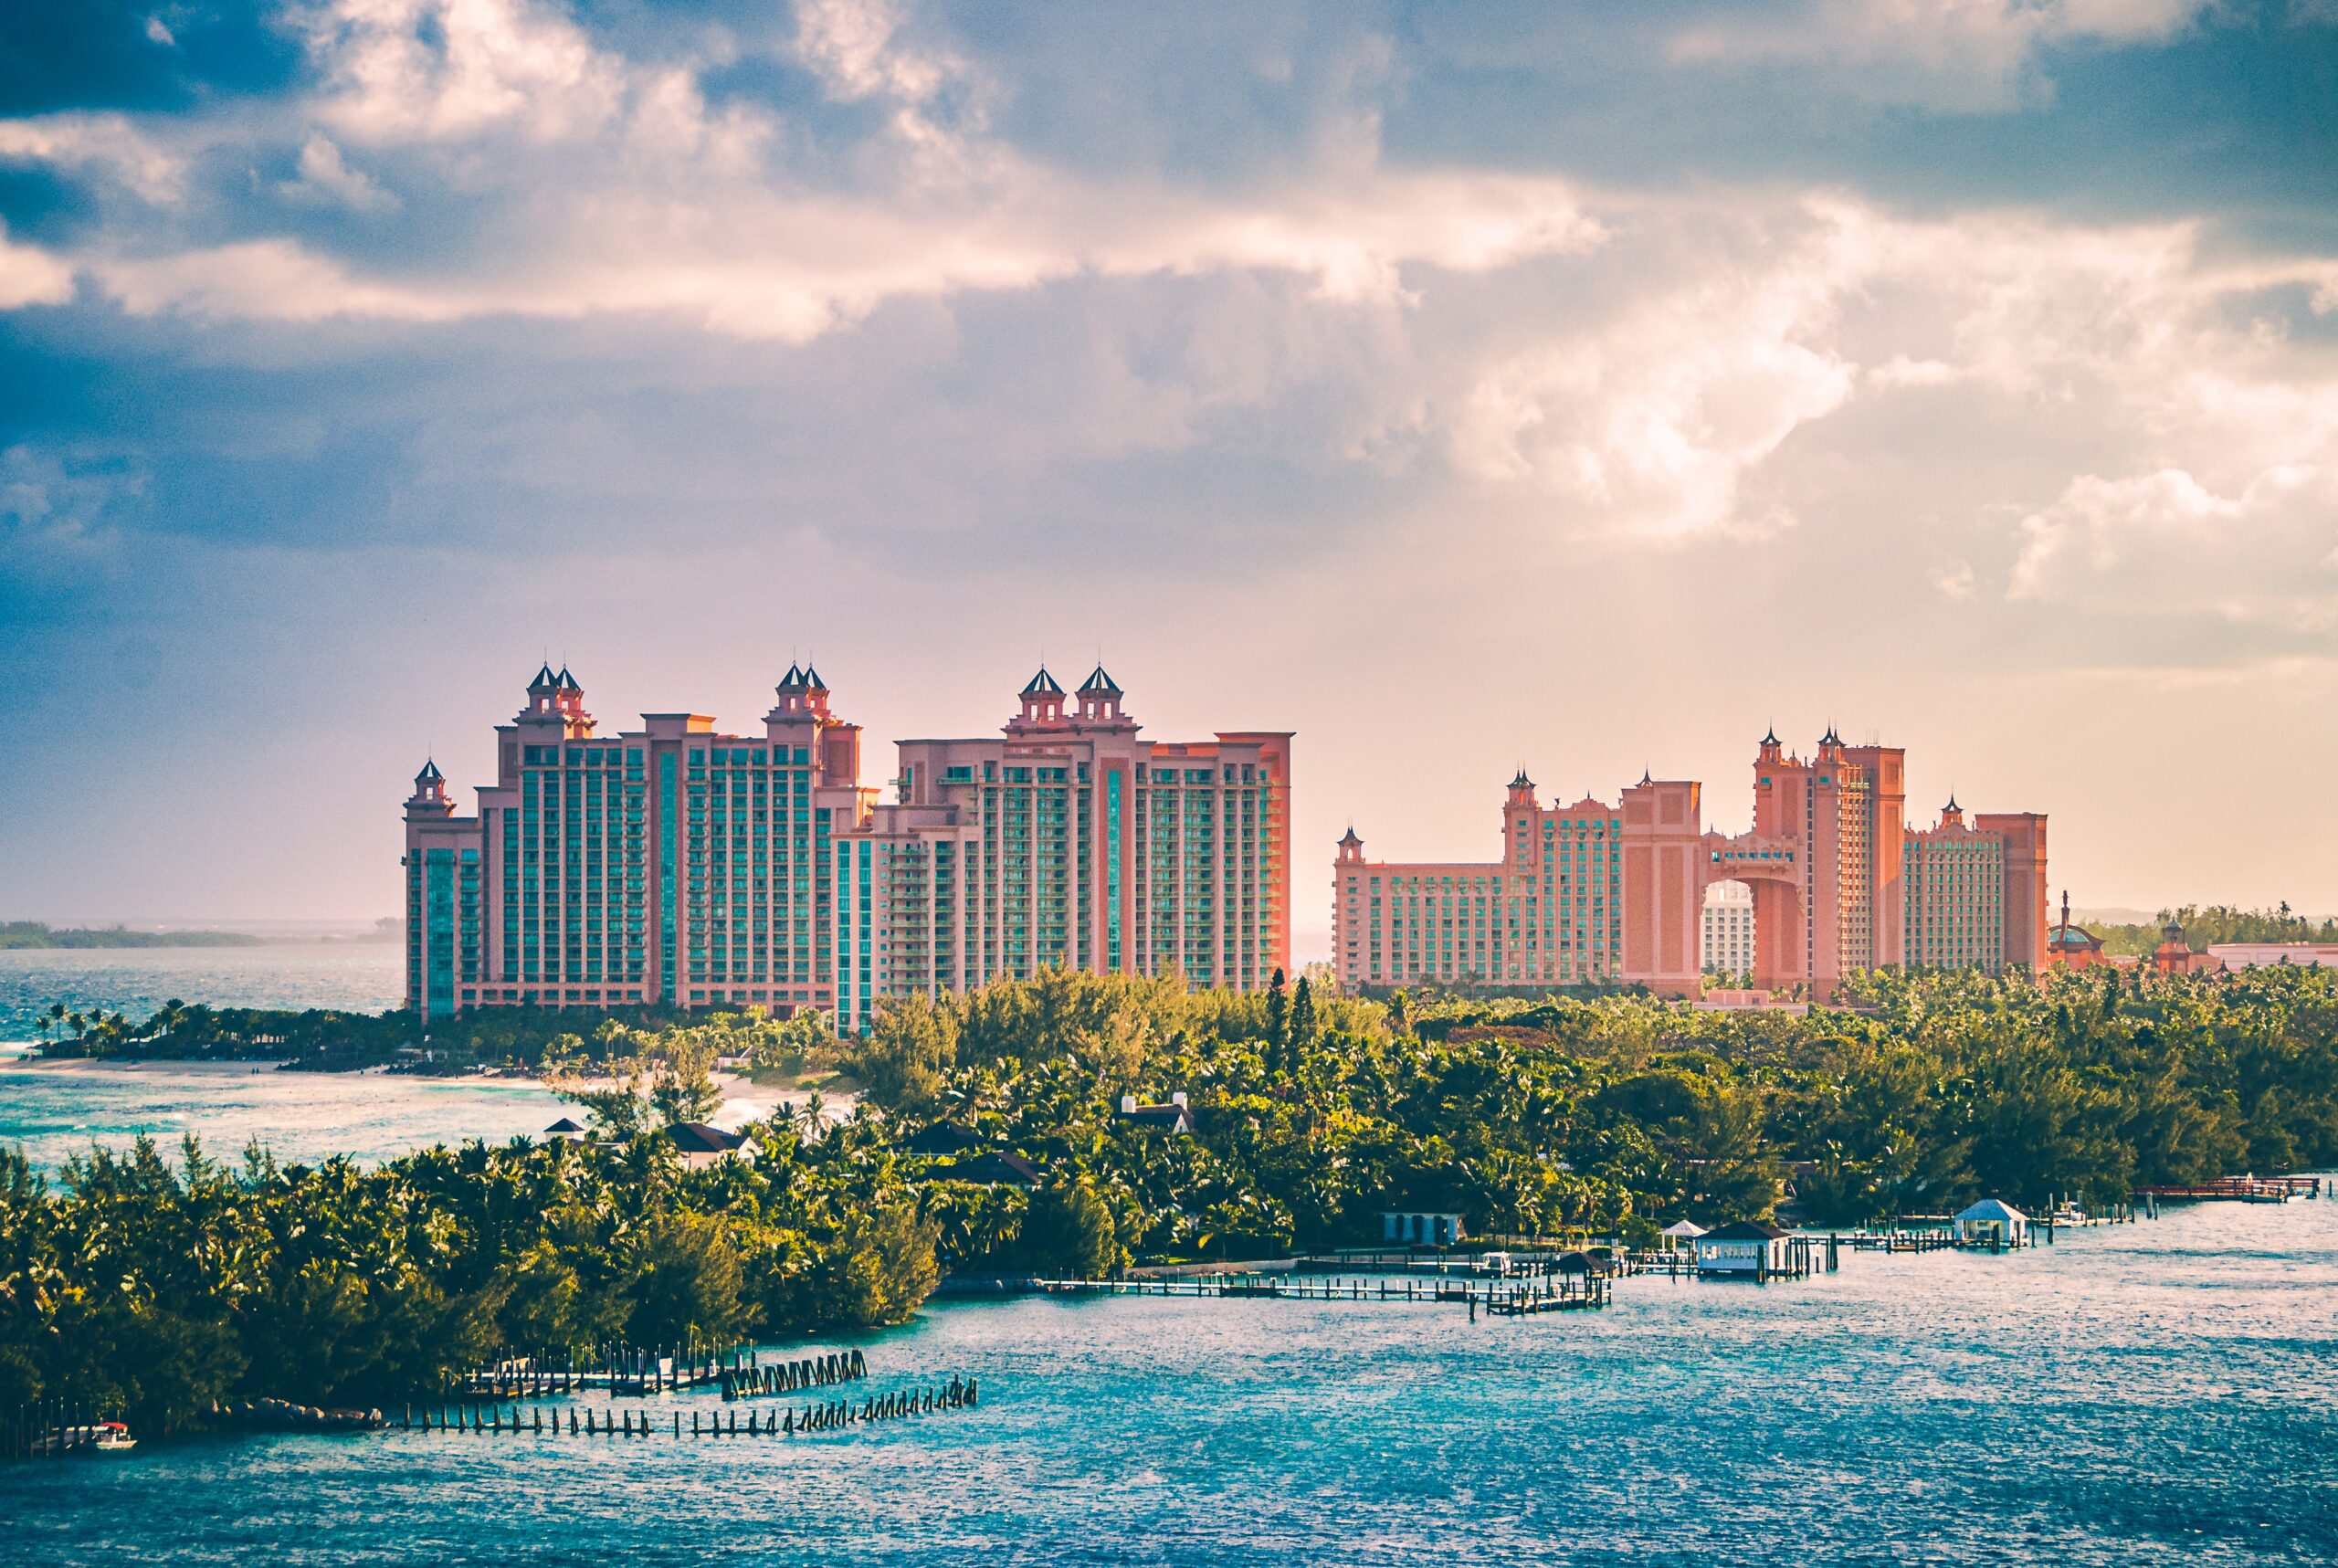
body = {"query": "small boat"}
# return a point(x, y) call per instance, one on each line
point(113, 1437)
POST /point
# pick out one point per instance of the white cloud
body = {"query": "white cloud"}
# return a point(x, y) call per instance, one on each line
point(2165, 543)
point(106, 143)
point(1646, 425)
point(327, 180)
point(29, 276)
point(1966, 56)
point(851, 45)
point(421, 70)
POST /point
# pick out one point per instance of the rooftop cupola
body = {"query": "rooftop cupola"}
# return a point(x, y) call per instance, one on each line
point(1771, 751)
point(801, 693)
point(1952, 815)
point(543, 695)
point(1351, 847)
point(429, 797)
point(1099, 699)
point(1522, 790)
point(1042, 702)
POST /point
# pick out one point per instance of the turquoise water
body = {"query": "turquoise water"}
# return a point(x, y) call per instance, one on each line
point(360, 978)
point(57, 1109)
point(2158, 1393)
point(61, 1108)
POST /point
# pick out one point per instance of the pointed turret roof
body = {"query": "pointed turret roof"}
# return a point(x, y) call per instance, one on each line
point(546, 681)
point(1522, 781)
point(1348, 840)
point(1770, 736)
point(566, 682)
point(1646, 776)
point(1830, 738)
point(1099, 684)
point(428, 775)
point(1952, 808)
point(812, 681)
point(1043, 685)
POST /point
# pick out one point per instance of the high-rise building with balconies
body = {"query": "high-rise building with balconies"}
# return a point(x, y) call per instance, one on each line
point(678, 865)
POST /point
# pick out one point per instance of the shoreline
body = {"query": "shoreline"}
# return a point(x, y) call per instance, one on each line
point(128, 1064)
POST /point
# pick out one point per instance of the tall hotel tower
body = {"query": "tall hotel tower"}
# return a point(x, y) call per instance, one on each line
point(674, 866)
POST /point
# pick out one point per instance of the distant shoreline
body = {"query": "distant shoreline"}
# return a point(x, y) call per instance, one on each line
point(31, 936)
point(12, 1064)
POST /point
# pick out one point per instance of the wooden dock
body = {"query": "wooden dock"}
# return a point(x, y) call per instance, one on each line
point(2236, 1189)
point(1503, 1298)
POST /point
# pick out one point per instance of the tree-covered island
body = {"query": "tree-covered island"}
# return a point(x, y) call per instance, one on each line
point(988, 1140)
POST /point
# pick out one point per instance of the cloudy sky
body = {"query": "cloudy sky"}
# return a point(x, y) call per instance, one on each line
point(1581, 385)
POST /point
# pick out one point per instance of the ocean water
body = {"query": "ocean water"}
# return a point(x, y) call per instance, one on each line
point(2159, 1393)
point(357, 977)
point(56, 1108)
point(61, 1108)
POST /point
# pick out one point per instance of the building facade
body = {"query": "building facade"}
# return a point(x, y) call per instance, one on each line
point(1726, 940)
point(1585, 894)
point(1976, 892)
point(1594, 894)
point(678, 865)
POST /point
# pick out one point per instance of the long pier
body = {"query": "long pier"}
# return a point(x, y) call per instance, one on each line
point(2236, 1189)
point(1546, 1293)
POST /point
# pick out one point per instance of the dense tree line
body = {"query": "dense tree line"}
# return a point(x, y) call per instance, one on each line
point(2206, 927)
point(160, 1285)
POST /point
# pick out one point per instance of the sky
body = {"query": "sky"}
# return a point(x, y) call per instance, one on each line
point(1584, 387)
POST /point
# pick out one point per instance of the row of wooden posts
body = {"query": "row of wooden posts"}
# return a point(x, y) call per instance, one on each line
point(789, 1377)
point(49, 1428)
point(588, 1421)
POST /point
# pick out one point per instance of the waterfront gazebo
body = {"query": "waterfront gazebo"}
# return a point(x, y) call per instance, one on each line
point(1681, 1230)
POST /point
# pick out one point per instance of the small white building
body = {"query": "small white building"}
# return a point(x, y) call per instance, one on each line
point(1750, 1247)
point(1725, 929)
point(1993, 1222)
point(1418, 1228)
point(1177, 1116)
point(568, 1130)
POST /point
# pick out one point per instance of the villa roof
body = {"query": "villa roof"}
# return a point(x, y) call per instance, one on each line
point(995, 1167)
point(699, 1138)
point(1178, 1116)
point(1743, 1230)
point(565, 1124)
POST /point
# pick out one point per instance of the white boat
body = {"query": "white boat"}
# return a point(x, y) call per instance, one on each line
point(113, 1437)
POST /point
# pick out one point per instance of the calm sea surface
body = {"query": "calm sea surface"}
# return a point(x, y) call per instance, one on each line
point(357, 977)
point(62, 1107)
point(2159, 1393)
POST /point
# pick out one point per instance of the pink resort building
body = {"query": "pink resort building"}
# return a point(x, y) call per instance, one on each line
point(1594, 894)
point(676, 865)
